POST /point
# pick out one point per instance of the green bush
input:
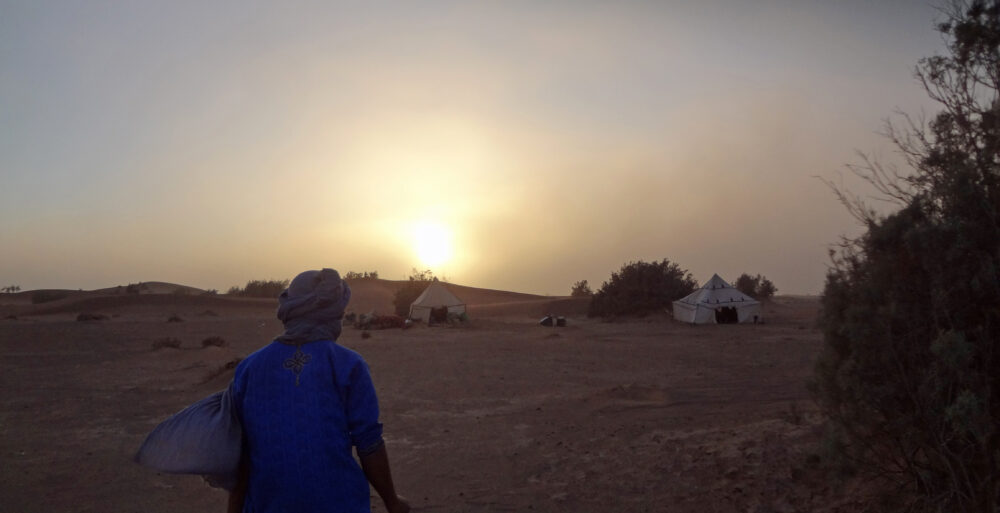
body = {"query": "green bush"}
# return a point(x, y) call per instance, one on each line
point(757, 287)
point(911, 310)
point(640, 288)
point(581, 289)
point(366, 275)
point(408, 293)
point(260, 288)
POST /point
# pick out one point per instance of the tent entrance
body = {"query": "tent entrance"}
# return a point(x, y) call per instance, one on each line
point(439, 315)
point(726, 315)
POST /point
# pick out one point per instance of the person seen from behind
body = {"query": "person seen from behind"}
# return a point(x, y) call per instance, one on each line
point(303, 402)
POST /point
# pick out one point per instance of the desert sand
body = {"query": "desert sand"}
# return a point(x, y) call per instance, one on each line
point(499, 414)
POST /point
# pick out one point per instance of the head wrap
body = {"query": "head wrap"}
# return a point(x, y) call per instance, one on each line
point(312, 307)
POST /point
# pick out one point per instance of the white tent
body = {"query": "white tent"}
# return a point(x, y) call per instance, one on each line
point(717, 302)
point(435, 296)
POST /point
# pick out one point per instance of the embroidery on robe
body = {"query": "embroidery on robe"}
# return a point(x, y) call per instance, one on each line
point(296, 362)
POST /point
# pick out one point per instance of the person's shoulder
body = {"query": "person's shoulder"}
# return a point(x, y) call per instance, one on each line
point(253, 358)
point(346, 354)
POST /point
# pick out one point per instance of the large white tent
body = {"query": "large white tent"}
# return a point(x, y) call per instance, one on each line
point(716, 302)
point(435, 296)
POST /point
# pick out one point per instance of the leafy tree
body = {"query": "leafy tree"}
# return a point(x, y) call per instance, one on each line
point(758, 287)
point(354, 275)
point(911, 309)
point(260, 288)
point(766, 290)
point(408, 293)
point(581, 289)
point(639, 288)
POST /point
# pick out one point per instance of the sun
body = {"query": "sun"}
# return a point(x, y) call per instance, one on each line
point(432, 243)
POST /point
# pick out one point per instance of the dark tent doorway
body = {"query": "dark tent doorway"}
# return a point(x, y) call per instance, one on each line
point(726, 315)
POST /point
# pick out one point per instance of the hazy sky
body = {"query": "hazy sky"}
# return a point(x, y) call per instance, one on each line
point(209, 143)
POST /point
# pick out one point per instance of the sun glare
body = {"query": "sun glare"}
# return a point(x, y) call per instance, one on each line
point(432, 243)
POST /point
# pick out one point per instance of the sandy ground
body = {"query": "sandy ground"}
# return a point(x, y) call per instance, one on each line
point(497, 415)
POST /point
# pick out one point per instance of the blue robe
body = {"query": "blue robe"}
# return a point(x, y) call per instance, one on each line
point(302, 408)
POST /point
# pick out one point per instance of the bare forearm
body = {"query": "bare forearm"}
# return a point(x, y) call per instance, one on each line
point(376, 468)
point(238, 493)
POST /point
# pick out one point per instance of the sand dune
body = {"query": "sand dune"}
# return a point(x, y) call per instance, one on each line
point(368, 295)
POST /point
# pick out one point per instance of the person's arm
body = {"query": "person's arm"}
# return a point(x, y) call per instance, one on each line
point(366, 436)
point(376, 467)
point(238, 493)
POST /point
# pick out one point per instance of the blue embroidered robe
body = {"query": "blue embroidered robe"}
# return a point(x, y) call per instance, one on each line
point(302, 409)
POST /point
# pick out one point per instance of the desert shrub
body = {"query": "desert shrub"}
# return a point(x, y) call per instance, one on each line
point(911, 310)
point(85, 317)
point(410, 290)
point(640, 288)
point(221, 369)
point(167, 342)
point(757, 287)
point(210, 292)
point(581, 289)
point(46, 296)
point(260, 288)
point(175, 318)
point(10, 289)
point(214, 341)
point(366, 275)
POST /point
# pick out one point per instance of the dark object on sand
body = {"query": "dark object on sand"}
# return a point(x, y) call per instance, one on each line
point(214, 341)
point(384, 322)
point(366, 335)
point(170, 342)
point(87, 317)
point(175, 318)
point(551, 320)
point(373, 321)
